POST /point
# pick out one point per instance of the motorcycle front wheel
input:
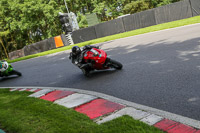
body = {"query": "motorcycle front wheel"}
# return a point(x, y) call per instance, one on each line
point(86, 73)
point(115, 64)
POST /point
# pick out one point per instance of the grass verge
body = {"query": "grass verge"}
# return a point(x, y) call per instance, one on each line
point(22, 114)
point(169, 25)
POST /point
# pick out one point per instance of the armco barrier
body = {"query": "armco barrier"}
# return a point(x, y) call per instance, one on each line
point(195, 5)
point(109, 28)
point(85, 34)
point(172, 12)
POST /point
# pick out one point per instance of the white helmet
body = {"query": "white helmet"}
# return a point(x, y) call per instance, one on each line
point(3, 66)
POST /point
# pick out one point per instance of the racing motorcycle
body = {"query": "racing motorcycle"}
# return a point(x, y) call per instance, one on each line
point(98, 60)
point(8, 70)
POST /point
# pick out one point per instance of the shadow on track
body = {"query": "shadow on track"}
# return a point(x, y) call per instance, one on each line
point(101, 73)
point(2, 79)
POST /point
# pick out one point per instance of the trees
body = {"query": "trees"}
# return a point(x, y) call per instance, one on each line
point(136, 6)
point(82, 20)
point(141, 5)
point(28, 21)
point(157, 3)
point(23, 22)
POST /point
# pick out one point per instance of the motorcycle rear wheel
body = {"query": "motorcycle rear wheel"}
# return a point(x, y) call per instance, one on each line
point(115, 64)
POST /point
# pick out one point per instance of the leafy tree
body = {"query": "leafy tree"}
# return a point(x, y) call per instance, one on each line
point(82, 20)
point(136, 6)
point(28, 21)
point(164, 2)
point(157, 3)
point(23, 22)
point(114, 8)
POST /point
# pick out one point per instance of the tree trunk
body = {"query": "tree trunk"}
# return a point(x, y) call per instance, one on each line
point(6, 53)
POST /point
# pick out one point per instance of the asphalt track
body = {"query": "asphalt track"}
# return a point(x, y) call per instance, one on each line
point(161, 70)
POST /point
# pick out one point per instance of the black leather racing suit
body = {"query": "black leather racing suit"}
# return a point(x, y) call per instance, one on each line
point(78, 59)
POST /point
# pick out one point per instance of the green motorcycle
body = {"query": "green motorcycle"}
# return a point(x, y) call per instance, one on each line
point(6, 69)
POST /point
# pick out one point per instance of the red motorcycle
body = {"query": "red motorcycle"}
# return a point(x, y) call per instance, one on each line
point(98, 60)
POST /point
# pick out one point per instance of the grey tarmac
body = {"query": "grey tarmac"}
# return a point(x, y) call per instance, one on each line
point(161, 70)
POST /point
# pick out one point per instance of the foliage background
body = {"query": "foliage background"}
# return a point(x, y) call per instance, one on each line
point(23, 22)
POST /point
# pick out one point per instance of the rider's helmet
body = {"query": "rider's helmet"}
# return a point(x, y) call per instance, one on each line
point(76, 50)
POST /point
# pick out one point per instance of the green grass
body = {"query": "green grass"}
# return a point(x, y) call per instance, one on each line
point(22, 114)
point(169, 25)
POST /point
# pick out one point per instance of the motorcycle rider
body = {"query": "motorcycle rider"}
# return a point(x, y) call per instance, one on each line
point(77, 56)
point(4, 68)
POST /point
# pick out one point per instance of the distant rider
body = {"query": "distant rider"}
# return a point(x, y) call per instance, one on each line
point(5, 68)
point(77, 55)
